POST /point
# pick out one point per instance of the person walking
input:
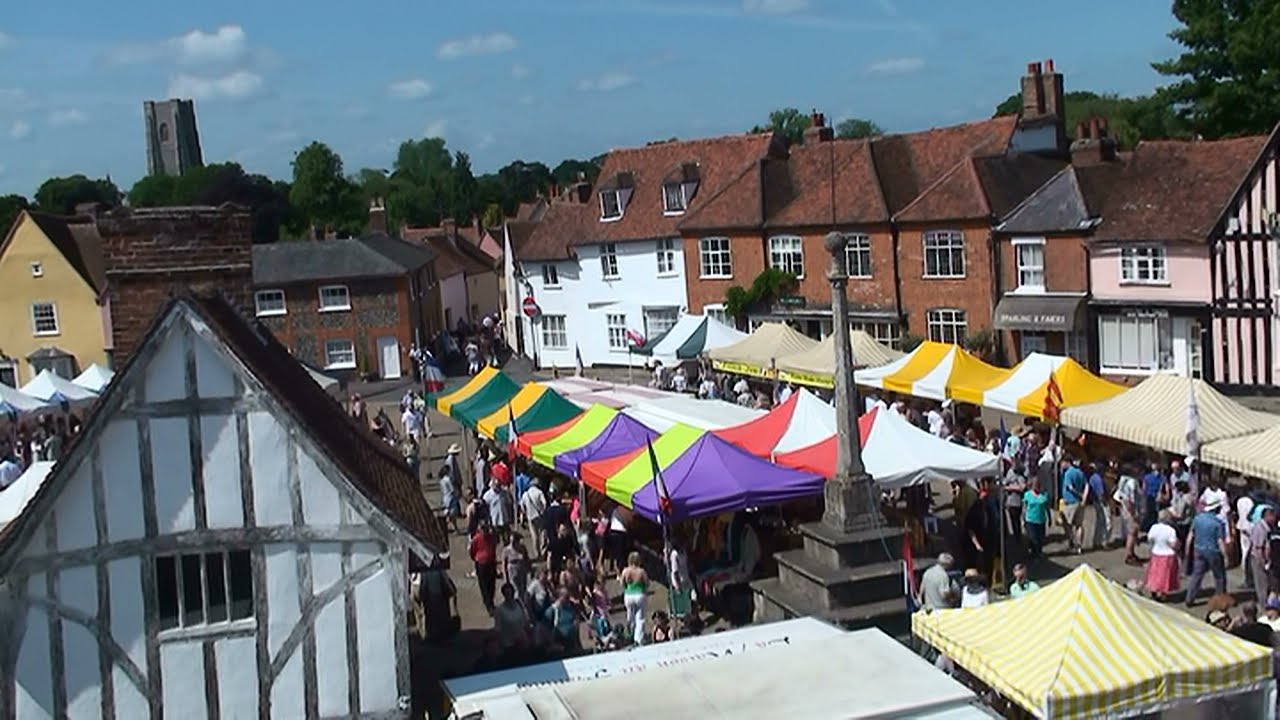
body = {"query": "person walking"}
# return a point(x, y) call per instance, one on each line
point(1259, 559)
point(500, 510)
point(1075, 495)
point(1022, 584)
point(484, 553)
point(533, 503)
point(1209, 543)
point(449, 497)
point(1097, 501)
point(1014, 487)
point(1153, 491)
point(1035, 506)
point(516, 565)
point(937, 589)
point(1162, 579)
point(635, 588)
point(1126, 498)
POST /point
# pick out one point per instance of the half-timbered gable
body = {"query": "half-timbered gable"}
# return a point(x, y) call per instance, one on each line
point(1246, 284)
point(221, 541)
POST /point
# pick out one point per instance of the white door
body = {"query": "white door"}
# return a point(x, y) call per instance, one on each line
point(389, 357)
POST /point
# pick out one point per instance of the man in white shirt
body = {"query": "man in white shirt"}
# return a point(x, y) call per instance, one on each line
point(10, 471)
point(533, 504)
point(412, 423)
point(936, 423)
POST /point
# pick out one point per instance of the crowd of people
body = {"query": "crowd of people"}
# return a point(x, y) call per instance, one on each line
point(44, 440)
point(480, 343)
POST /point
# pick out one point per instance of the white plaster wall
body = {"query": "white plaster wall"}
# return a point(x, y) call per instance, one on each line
point(122, 480)
point(237, 677)
point(221, 471)
point(214, 376)
point(78, 588)
point(375, 623)
point(282, 594)
point(127, 623)
point(166, 374)
point(182, 668)
point(171, 467)
point(130, 702)
point(326, 565)
point(320, 502)
point(268, 456)
point(84, 688)
point(33, 678)
point(331, 658)
point(288, 694)
point(74, 513)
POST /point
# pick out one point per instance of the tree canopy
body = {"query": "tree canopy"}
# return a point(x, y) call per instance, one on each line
point(788, 122)
point(322, 196)
point(10, 206)
point(1129, 120)
point(1227, 79)
point(220, 183)
point(853, 128)
point(61, 195)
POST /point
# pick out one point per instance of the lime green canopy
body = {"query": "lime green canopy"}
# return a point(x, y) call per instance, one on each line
point(549, 410)
point(496, 393)
point(639, 472)
point(588, 428)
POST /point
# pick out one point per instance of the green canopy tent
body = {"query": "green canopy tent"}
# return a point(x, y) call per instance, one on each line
point(496, 393)
point(547, 411)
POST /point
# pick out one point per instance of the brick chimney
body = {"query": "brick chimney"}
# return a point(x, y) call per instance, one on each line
point(150, 254)
point(818, 131)
point(1052, 86)
point(1033, 103)
point(377, 216)
point(581, 190)
point(1093, 143)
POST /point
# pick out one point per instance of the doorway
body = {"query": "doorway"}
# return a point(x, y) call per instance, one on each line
point(389, 358)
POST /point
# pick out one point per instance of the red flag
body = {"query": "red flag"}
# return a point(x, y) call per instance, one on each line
point(910, 587)
point(636, 338)
point(1052, 399)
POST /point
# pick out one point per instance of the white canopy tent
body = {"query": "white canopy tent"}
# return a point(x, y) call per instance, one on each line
point(55, 389)
point(691, 336)
point(14, 499)
point(663, 413)
point(16, 402)
point(95, 378)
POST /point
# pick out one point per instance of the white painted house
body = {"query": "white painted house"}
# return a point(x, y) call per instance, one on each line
point(611, 268)
point(220, 542)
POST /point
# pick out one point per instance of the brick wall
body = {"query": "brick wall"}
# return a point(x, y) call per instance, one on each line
point(874, 292)
point(151, 254)
point(748, 262)
point(1066, 264)
point(379, 308)
point(973, 293)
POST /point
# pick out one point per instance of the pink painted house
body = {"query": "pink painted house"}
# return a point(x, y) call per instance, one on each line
point(1151, 280)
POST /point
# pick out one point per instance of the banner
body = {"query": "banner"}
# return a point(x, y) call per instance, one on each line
point(738, 368)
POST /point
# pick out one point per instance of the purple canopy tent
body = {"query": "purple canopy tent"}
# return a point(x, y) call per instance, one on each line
point(714, 476)
point(622, 434)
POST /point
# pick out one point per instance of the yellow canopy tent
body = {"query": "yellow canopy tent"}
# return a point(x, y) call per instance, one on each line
point(755, 354)
point(932, 371)
point(1084, 647)
point(816, 366)
point(445, 403)
point(1025, 388)
point(519, 404)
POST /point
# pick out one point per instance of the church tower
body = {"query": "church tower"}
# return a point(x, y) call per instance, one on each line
point(173, 142)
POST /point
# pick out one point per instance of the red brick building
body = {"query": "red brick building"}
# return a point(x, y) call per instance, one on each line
point(354, 305)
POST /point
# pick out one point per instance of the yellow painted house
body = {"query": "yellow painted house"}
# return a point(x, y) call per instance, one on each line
point(52, 296)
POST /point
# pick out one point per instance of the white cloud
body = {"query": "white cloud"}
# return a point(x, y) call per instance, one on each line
point(436, 129)
point(519, 71)
point(607, 82)
point(491, 44)
point(225, 46)
point(238, 85)
point(414, 89)
point(5, 41)
point(19, 130)
point(896, 66)
point(774, 7)
point(65, 118)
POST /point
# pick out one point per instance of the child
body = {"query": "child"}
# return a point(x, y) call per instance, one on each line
point(661, 626)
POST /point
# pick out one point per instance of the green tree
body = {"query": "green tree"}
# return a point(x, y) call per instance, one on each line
point(10, 207)
point(1145, 117)
point(322, 195)
point(1228, 76)
point(463, 189)
point(61, 195)
point(154, 191)
point(765, 289)
point(567, 172)
point(421, 183)
point(852, 128)
point(217, 184)
point(492, 216)
point(788, 122)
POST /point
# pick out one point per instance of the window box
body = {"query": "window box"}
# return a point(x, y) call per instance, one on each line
point(616, 325)
point(1135, 344)
point(335, 298)
point(1144, 265)
point(610, 205)
point(667, 258)
point(204, 593)
point(673, 199)
point(268, 303)
point(550, 277)
point(857, 255)
point(947, 325)
point(609, 261)
point(555, 334)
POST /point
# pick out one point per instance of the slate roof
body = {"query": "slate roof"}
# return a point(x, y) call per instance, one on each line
point(372, 256)
point(1071, 201)
point(77, 239)
point(980, 187)
point(1173, 190)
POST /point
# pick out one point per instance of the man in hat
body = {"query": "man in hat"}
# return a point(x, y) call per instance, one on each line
point(454, 467)
point(1208, 540)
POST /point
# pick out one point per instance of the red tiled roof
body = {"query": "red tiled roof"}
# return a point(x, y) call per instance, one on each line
point(956, 195)
point(1176, 190)
point(980, 187)
point(563, 225)
point(827, 183)
point(910, 163)
point(737, 205)
point(718, 161)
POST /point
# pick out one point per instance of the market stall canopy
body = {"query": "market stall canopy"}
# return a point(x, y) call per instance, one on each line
point(755, 354)
point(519, 404)
point(691, 336)
point(14, 499)
point(575, 385)
point(445, 403)
point(567, 435)
point(16, 402)
point(703, 475)
point(494, 394)
point(1154, 413)
point(663, 413)
point(1257, 454)
point(324, 381)
point(1098, 650)
point(623, 435)
point(803, 420)
point(55, 389)
point(897, 453)
point(622, 396)
point(816, 366)
point(931, 371)
point(1025, 389)
point(95, 377)
point(549, 410)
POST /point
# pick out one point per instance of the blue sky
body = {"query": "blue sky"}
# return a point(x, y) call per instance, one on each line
point(527, 79)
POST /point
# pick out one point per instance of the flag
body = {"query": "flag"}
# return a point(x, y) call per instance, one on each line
point(1052, 399)
point(660, 486)
point(512, 434)
point(577, 351)
point(636, 338)
point(432, 375)
point(910, 588)
point(1193, 424)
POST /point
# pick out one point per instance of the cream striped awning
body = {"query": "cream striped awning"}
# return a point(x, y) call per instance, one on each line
point(1084, 647)
point(1257, 455)
point(1154, 413)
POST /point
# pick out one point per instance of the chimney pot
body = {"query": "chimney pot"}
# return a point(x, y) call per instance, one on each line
point(1048, 65)
point(1082, 130)
point(1033, 68)
point(1095, 128)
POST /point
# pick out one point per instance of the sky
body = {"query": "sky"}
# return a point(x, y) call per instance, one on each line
point(523, 79)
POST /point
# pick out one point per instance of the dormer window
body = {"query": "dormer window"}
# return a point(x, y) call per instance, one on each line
point(610, 205)
point(673, 199)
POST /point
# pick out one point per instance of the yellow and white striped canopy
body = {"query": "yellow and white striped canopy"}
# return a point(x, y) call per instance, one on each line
point(932, 371)
point(1084, 647)
point(1025, 388)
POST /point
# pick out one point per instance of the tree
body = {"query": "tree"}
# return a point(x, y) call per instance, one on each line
point(568, 171)
point(1228, 77)
point(322, 195)
point(492, 216)
point(1145, 117)
point(766, 288)
point(61, 195)
point(853, 128)
point(463, 205)
point(787, 122)
point(154, 191)
point(215, 185)
point(10, 207)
